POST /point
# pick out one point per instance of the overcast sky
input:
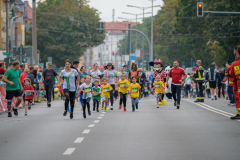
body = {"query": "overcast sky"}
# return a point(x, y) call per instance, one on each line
point(106, 7)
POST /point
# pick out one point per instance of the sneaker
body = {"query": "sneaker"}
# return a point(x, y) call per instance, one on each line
point(71, 115)
point(93, 108)
point(136, 106)
point(102, 108)
point(120, 107)
point(157, 106)
point(89, 113)
point(133, 110)
point(232, 104)
point(25, 114)
point(49, 104)
point(9, 114)
point(84, 115)
point(105, 109)
point(175, 103)
point(15, 112)
point(215, 97)
point(64, 113)
point(29, 108)
point(212, 99)
point(235, 117)
point(125, 109)
point(178, 106)
point(111, 108)
point(196, 101)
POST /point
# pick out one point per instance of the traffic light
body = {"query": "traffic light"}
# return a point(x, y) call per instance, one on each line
point(100, 26)
point(113, 53)
point(12, 13)
point(200, 9)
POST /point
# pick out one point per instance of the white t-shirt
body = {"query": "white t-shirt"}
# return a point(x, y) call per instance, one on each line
point(69, 79)
point(87, 90)
point(188, 80)
point(96, 73)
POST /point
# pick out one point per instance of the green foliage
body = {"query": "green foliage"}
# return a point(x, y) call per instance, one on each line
point(59, 37)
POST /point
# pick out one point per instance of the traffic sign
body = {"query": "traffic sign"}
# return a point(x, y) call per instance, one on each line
point(150, 77)
point(6, 53)
point(132, 57)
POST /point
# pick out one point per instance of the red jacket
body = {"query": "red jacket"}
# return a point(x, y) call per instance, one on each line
point(228, 76)
point(235, 69)
point(22, 77)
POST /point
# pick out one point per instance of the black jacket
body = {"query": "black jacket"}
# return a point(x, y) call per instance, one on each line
point(142, 78)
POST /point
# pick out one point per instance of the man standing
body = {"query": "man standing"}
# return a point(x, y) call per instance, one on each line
point(176, 73)
point(211, 75)
point(13, 87)
point(230, 84)
point(221, 84)
point(48, 76)
point(235, 73)
point(198, 75)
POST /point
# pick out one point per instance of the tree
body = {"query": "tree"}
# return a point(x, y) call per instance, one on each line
point(59, 37)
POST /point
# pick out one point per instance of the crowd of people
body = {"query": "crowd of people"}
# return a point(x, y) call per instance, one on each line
point(31, 82)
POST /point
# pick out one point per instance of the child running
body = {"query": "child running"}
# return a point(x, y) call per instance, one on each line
point(28, 92)
point(96, 95)
point(123, 85)
point(87, 94)
point(81, 92)
point(106, 89)
point(158, 86)
point(134, 91)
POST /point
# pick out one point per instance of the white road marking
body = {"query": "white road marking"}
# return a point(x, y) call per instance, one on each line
point(96, 121)
point(86, 131)
point(91, 125)
point(69, 151)
point(79, 140)
point(103, 112)
point(99, 117)
point(207, 107)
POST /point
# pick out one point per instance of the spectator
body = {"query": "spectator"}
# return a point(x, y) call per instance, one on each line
point(21, 69)
point(9, 66)
point(2, 69)
point(221, 85)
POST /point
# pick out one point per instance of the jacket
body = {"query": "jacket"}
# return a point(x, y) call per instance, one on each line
point(228, 76)
point(198, 74)
point(212, 74)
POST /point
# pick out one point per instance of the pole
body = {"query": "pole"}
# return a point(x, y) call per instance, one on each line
point(111, 51)
point(151, 55)
point(129, 44)
point(121, 52)
point(136, 37)
point(34, 32)
point(7, 25)
point(20, 58)
point(11, 35)
point(16, 36)
point(143, 44)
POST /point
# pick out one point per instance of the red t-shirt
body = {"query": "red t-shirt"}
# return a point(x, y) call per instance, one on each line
point(28, 95)
point(176, 75)
point(22, 77)
point(2, 71)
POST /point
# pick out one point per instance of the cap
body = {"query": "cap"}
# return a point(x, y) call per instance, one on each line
point(50, 64)
point(109, 64)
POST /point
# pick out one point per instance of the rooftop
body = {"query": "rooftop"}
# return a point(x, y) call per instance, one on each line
point(118, 25)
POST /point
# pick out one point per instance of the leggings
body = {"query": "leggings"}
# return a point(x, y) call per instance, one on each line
point(70, 96)
point(95, 102)
point(123, 99)
point(86, 103)
point(48, 89)
point(112, 94)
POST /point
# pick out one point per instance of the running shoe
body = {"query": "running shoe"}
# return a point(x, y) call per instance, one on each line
point(9, 114)
point(133, 110)
point(125, 109)
point(175, 103)
point(105, 109)
point(157, 106)
point(136, 106)
point(102, 108)
point(49, 104)
point(235, 117)
point(212, 99)
point(178, 106)
point(215, 97)
point(84, 115)
point(29, 108)
point(71, 115)
point(89, 113)
point(25, 114)
point(120, 107)
point(232, 104)
point(64, 113)
point(111, 107)
point(15, 112)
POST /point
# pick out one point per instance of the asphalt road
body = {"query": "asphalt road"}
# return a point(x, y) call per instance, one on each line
point(195, 132)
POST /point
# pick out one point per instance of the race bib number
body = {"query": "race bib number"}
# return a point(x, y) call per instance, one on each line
point(28, 93)
point(106, 90)
point(135, 90)
point(158, 85)
point(123, 85)
point(87, 90)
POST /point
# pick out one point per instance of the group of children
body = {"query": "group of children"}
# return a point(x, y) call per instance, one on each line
point(100, 92)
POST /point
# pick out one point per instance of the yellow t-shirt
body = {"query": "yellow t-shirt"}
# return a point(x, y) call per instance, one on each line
point(134, 88)
point(158, 86)
point(123, 86)
point(116, 87)
point(106, 90)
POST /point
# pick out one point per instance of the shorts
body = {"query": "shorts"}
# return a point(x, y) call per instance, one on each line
point(105, 99)
point(28, 100)
point(213, 84)
point(15, 93)
point(158, 95)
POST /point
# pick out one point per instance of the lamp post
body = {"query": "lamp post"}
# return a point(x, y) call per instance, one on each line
point(144, 8)
point(136, 32)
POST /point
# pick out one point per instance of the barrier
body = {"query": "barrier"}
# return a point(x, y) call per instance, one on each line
point(3, 100)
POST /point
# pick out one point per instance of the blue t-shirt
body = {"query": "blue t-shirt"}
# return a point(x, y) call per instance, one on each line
point(81, 75)
point(119, 74)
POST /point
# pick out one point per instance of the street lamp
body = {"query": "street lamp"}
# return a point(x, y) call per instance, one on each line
point(136, 32)
point(144, 8)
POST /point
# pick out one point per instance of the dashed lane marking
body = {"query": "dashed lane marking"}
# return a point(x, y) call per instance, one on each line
point(96, 121)
point(86, 131)
point(91, 125)
point(69, 151)
point(79, 140)
point(99, 117)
